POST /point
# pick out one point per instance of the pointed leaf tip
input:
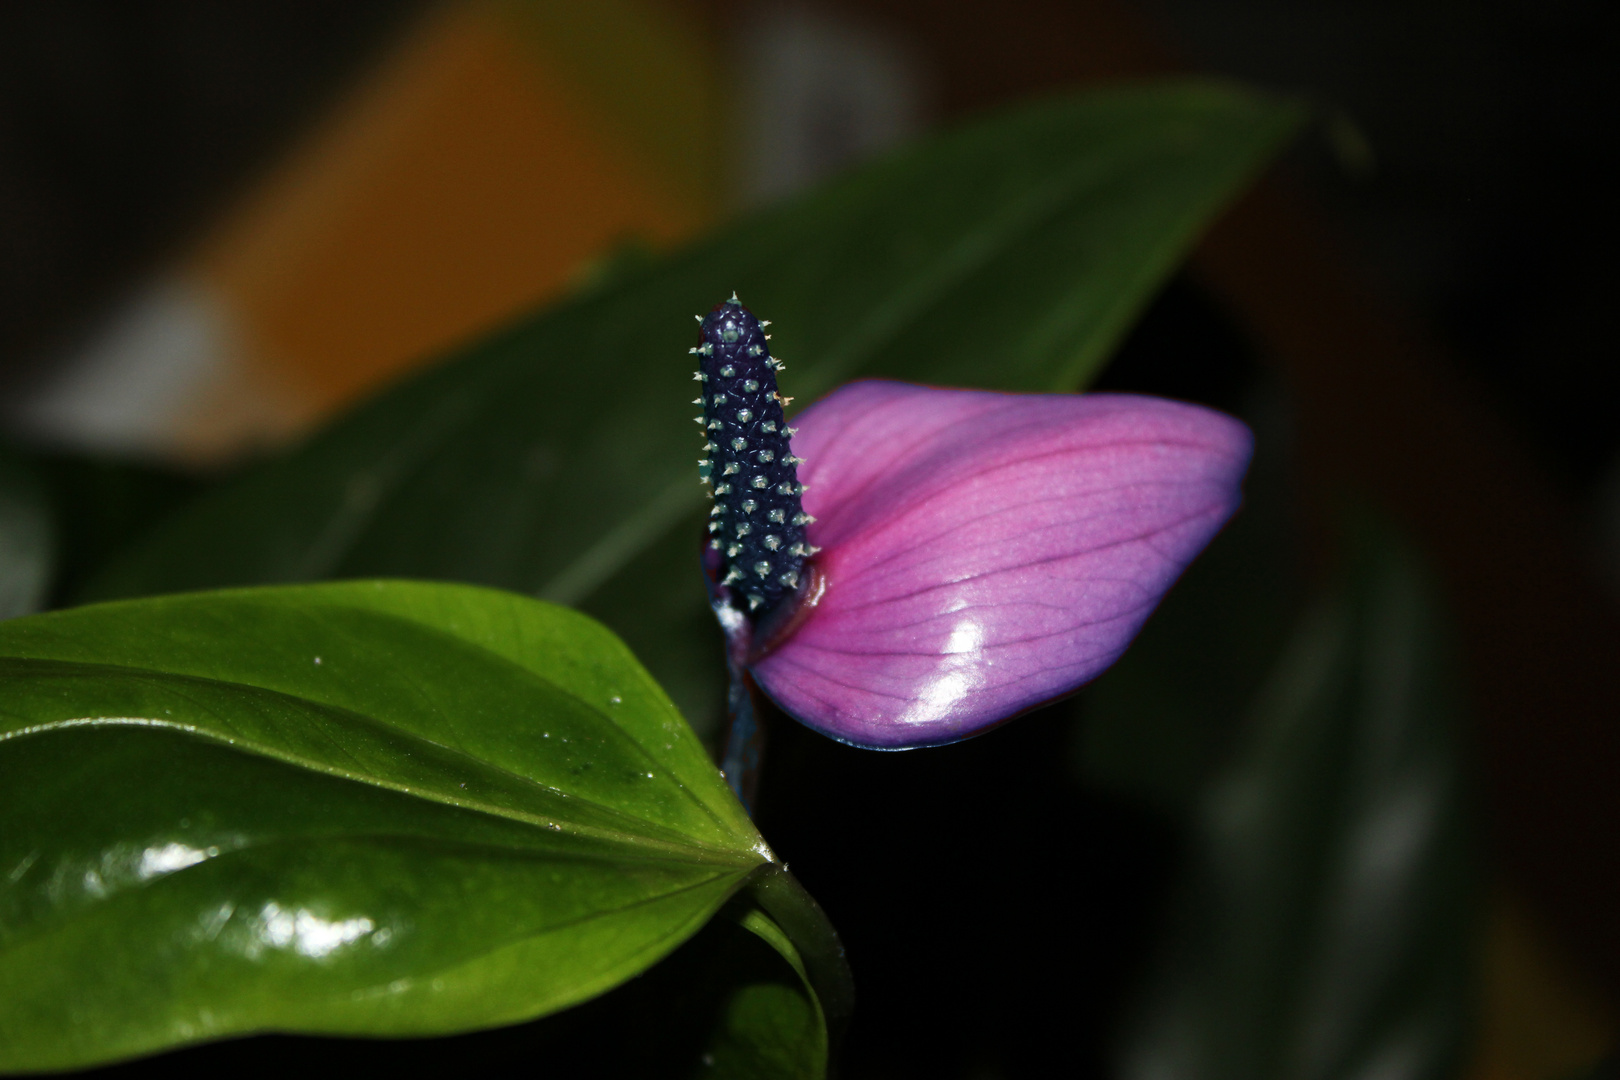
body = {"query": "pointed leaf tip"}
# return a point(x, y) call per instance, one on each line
point(987, 552)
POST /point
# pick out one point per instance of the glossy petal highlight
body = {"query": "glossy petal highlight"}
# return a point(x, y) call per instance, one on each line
point(984, 552)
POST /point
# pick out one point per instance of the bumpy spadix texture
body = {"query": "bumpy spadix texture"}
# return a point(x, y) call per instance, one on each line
point(756, 525)
point(984, 553)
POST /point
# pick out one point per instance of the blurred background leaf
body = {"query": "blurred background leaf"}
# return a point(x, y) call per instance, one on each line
point(27, 536)
point(103, 504)
point(553, 457)
point(63, 514)
point(1326, 926)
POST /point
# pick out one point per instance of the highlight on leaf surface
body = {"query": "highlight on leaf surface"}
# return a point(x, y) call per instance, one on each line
point(381, 808)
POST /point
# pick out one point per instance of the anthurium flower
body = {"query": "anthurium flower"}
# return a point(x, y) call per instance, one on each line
point(960, 556)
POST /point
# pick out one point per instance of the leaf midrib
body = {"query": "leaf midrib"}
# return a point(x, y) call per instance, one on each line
point(248, 596)
point(248, 745)
point(526, 672)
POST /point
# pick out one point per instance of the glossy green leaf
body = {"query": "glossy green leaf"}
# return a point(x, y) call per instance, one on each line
point(1326, 923)
point(374, 807)
point(26, 557)
point(558, 457)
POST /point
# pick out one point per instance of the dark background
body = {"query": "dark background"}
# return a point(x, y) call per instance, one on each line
point(1482, 197)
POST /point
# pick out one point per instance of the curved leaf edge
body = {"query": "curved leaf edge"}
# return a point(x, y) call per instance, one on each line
point(818, 955)
point(393, 598)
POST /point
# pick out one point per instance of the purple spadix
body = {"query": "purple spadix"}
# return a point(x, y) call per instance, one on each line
point(756, 526)
point(972, 555)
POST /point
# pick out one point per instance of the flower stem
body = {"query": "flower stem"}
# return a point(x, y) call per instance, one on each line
point(745, 736)
point(779, 895)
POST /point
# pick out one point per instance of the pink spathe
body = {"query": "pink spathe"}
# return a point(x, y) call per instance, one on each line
point(984, 553)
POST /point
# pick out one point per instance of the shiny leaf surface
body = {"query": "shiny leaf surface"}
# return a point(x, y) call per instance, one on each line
point(555, 457)
point(379, 807)
point(725, 1005)
point(1326, 923)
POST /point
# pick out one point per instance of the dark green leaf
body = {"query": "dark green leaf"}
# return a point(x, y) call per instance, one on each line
point(62, 515)
point(377, 807)
point(1607, 1069)
point(26, 559)
point(555, 458)
point(1326, 926)
point(732, 1003)
point(101, 505)
point(769, 1028)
